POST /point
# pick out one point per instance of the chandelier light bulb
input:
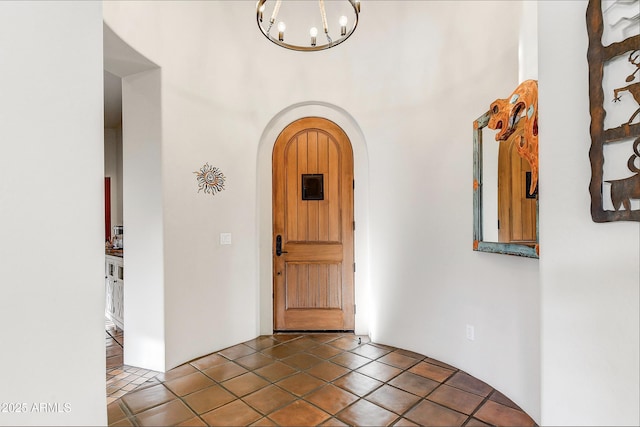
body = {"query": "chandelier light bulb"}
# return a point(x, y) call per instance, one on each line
point(343, 25)
point(281, 28)
point(313, 32)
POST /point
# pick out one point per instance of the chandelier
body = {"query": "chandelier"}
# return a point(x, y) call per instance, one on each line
point(299, 24)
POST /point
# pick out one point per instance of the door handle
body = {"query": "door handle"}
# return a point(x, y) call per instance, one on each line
point(279, 250)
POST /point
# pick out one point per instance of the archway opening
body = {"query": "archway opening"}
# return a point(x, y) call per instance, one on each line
point(364, 321)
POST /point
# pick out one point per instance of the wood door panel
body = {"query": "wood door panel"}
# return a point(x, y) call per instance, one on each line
point(313, 278)
point(313, 220)
point(516, 212)
point(319, 252)
point(323, 205)
point(290, 191)
point(333, 191)
point(517, 184)
point(313, 286)
point(523, 209)
point(308, 320)
point(300, 205)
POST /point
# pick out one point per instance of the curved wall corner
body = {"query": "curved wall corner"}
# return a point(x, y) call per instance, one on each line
point(144, 310)
point(361, 209)
point(120, 59)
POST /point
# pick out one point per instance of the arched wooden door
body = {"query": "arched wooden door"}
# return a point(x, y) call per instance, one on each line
point(313, 228)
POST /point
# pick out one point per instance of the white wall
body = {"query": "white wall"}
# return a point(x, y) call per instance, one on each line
point(144, 263)
point(590, 273)
point(414, 90)
point(428, 283)
point(51, 208)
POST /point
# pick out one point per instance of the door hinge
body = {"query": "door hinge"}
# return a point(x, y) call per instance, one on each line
point(354, 267)
point(354, 225)
point(498, 224)
point(354, 184)
point(354, 309)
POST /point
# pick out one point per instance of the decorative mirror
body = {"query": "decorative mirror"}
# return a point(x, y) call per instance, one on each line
point(505, 175)
point(613, 27)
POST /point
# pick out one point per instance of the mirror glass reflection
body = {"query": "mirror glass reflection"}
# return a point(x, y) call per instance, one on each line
point(505, 202)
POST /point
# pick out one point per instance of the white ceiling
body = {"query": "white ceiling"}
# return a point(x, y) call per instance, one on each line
point(112, 101)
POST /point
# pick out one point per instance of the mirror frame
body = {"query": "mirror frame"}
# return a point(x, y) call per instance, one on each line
point(478, 243)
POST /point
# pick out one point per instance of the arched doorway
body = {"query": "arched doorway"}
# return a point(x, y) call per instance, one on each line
point(272, 130)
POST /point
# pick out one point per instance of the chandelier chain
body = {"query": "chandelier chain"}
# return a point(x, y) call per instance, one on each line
point(323, 13)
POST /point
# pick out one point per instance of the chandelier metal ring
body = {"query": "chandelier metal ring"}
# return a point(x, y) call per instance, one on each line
point(266, 25)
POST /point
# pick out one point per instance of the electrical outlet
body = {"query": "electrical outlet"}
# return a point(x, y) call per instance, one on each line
point(471, 333)
point(225, 238)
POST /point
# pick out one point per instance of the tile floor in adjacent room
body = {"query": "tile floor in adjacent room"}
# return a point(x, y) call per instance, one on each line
point(121, 379)
point(310, 379)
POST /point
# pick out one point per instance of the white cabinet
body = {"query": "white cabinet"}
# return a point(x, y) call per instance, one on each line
point(114, 290)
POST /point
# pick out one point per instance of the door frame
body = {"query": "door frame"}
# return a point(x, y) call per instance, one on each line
point(281, 120)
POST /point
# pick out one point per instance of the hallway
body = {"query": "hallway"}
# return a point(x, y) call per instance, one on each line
point(299, 380)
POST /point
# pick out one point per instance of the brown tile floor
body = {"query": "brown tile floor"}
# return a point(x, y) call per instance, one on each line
point(121, 379)
point(314, 379)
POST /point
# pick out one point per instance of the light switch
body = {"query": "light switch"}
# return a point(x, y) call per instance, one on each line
point(225, 238)
point(471, 332)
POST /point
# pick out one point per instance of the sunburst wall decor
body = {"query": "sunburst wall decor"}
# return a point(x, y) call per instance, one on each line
point(210, 179)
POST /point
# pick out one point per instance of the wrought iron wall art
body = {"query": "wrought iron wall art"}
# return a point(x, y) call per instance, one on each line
point(613, 55)
point(210, 179)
